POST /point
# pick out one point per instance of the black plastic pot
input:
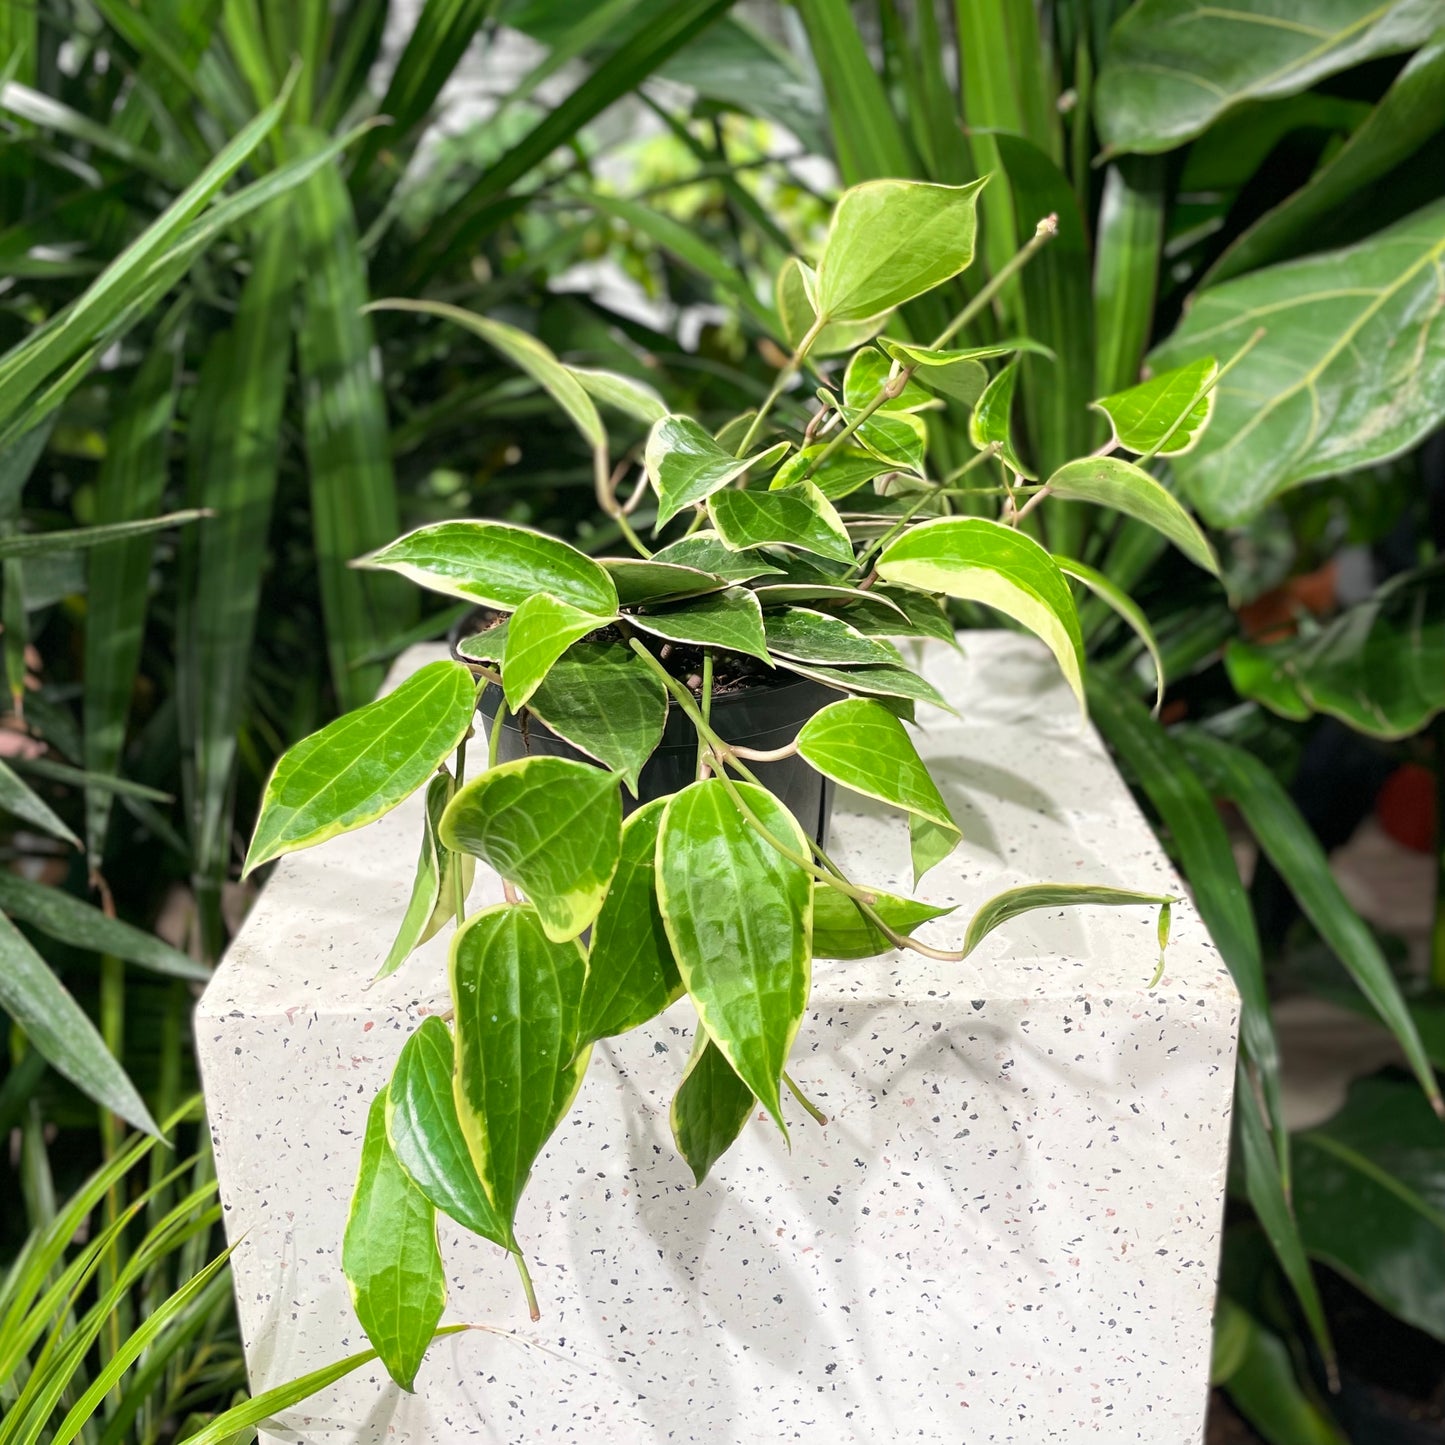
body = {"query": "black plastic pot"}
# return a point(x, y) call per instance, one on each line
point(763, 717)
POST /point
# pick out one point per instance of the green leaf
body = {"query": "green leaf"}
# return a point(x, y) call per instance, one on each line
point(892, 240)
point(390, 1257)
point(1408, 115)
point(1291, 846)
point(710, 1108)
point(631, 973)
point(740, 919)
point(1120, 602)
point(686, 465)
point(840, 475)
point(907, 614)
point(1111, 482)
point(1379, 666)
point(886, 680)
point(42, 1007)
point(804, 635)
point(1370, 1195)
point(517, 996)
point(497, 565)
point(76, 539)
point(426, 1135)
point(639, 580)
point(707, 553)
point(622, 393)
point(869, 371)
point(433, 890)
point(795, 312)
point(362, 765)
point(992, 421)
point(1166, 415)
point(605, 700)
point(840, 931)
point(17, 800)
point(1174, 67)
point(1128, 247)
point(955, 372)
point(799, 516)
point(552, 826)
point(929, 844)
point(1349, 370)
point(1013, 901)
point(61, 915)
point(526, 353)
point(539, 632)
point(977, 560)
point(732, 619)
point(898, 439)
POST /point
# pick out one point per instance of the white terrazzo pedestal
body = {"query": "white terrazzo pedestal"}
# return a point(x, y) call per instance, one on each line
point(1007, 1232)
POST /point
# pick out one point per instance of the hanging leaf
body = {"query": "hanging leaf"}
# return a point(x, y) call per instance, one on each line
point(992, 421)
point(1120, 602)
point(426, 1135)
point(686, 466)
point(631, 973)
point(740, 919)
point(890, 241)
point(803, 635)
point(539, 632)
point(79, 539)
point(606, 701)
point(390, 1257)
point(622, 393)
point(840, 931)
point(799, 516)
point(977, 560)
point(1110, 482)
point(497, 565)
point(842, 474)
point(710, 1108)
point(516, 994)
point(707, 552)
point(1014, 901)
point(1166, 415)
point(552, 826)
point(362, 765)
point(732, 620)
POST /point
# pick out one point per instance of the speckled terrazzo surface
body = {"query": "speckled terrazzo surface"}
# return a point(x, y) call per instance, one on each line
point(1007, 1232)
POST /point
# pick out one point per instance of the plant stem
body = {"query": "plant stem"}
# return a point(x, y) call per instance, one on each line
point(527, 1285)
point(1044, 232)
point(607, 500)
point(706, 710)
point(795, 362)
point(819, 1117)
point(494, 736)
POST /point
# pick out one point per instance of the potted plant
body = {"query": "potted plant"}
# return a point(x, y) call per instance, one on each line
point(663, 729)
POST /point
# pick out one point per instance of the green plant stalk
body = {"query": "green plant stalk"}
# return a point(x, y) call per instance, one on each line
point(794, 365)
point(607, 501)
point(112, 1028)
point(706, 709)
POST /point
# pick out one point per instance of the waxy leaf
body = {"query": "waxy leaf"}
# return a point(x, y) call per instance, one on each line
point(1014, 901)
point(908, 614)
point(992, 419)
point(390, 1257)
point(1125, 606)
point(1112, 482)
point(640, 579)
point(434, 890)
point(977, 560)
point(426, 1135)
point(798, 516)
point(956, 372)
point(890, 241)
point(362, 765)
point(1349, 370)
point(538, 633)
point(497, 565)
point(606, 701)
point(795, 311)
point(860, 744)
point(552, 826)
point(631, 973)
point(740, 919)
point(929, 843)
point(707, 552)
point(623, 393)
point(710, 1108)
point(886, 680)
point(840, 931)
point(1164, 416)
point(899, 438)
point(807, 636)
point(20, 802)
point(869, 370)
point(732, 619)
point(840, 475)
point(685, 465)
point(488, 645)
point(516, 995)
point(526, 353)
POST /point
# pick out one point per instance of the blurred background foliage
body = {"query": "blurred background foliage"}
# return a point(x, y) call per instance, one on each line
point(197, 199)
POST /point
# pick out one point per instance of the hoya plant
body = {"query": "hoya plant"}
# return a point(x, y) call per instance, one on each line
point(664, 729)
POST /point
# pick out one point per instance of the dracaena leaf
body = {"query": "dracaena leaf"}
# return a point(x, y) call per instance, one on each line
point(710, 1108)
point(631, 973)
point(739, 916)
point(497, 565)
point(539, 632)
point(890, 241)
point(732, 619)
point(20, 802)
point(390, 1256)
point(685, 465)
point(552, 826)
point(977, 560)
point(840, 931)
point(798, 516)
point(1166, 415)
point(426, 1135)
point(517, 996)
point(622, 393)
point(365, 763)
